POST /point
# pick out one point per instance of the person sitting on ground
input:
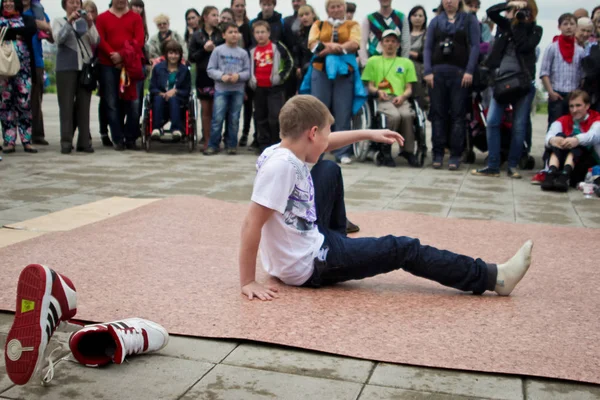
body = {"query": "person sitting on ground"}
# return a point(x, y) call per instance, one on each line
point(270, 66)
point(170, 87)
point(292, 204)
point(575, 143)
point(391, 78)
point(164, 34)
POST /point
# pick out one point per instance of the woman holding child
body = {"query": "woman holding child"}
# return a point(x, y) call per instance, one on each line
point(202, 44)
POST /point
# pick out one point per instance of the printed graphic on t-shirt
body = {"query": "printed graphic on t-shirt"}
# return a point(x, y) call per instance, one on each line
point(264, 58)
point(230, 64)
point(300, 211)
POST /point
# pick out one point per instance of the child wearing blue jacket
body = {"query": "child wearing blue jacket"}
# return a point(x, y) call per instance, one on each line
point(170, 87)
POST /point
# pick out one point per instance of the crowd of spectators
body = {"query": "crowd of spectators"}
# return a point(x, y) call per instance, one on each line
point(246, 69)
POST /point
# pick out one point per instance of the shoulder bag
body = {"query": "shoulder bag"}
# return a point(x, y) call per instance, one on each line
point(88, 78)
point(9, 59)
point(511, 87)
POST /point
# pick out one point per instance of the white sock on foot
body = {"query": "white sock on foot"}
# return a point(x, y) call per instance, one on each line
point(511, 272)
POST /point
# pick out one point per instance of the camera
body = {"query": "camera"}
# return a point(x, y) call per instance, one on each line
point(447, 46)
point(82, 13)
point(523, 14)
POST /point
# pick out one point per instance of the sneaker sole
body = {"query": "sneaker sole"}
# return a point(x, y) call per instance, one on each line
point(27, 339)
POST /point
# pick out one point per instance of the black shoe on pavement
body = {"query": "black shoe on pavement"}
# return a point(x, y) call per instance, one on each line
point(40, 141)
point(561, 183)
point(119, 147)
point(132, 146)
point(549, 180)
point(243, 141)
point(88, 149)
point(350, 227)
point(106, 142)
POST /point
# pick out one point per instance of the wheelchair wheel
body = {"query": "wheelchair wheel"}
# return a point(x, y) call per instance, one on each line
point(362, 120)
point(527, 162)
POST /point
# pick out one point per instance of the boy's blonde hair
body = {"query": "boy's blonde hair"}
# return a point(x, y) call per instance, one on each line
point(301, 113)
point(162, 18)
point(90, 4)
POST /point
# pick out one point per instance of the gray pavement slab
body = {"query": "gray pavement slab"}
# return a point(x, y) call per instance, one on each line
point(538, 389)
point(447, 382)
point(226, 382)
point(197, 349)
point(371, 392)
point(300, 362)
point(143, 377)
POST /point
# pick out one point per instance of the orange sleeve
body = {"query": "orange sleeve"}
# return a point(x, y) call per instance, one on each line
point(313, 35)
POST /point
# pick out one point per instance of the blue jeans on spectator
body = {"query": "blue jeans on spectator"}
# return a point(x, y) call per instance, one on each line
point(558, 108)
point(121, 132)
point(448, 111)
point(521, 114)
point(173, 109)
point(227, 105)
point(337, 95)
point(343, 258)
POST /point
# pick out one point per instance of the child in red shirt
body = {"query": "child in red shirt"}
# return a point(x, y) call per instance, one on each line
point(270, 66)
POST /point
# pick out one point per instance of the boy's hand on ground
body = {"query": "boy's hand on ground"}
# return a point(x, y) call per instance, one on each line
point(256, 290)
point(386, 136)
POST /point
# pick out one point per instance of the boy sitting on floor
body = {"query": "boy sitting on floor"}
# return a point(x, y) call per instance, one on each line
point(170, 87)
point(298, 219)
point(568, 138)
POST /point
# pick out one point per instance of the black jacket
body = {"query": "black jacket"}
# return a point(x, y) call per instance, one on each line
point(246, 35)
point(26, 32)
point(276, 23)
point(525, 35)
point(302, 55)
point(197, 54)
point(290, 36)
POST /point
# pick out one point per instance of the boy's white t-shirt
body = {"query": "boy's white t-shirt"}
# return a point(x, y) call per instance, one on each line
point(290, 238)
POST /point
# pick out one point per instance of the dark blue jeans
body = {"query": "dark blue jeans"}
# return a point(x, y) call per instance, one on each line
point(558, 108)
point(348, 259)
point(173, 113)
point(448, 112)
point(521, 113)
point(337, 95)
point(226, 105)
point(121, 132)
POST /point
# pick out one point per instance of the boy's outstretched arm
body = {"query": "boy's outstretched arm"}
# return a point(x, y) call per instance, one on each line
point(343, 138)
point(251, 231)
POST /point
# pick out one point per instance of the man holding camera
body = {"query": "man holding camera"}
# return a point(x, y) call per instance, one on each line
point(117, 28)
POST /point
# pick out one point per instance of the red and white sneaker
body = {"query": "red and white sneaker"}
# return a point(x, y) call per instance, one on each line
point(99, 344)
point(45, 299)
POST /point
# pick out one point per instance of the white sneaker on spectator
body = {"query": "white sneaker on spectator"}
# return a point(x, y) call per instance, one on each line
point(176, 134)
point(155, 133)
point(346, 160)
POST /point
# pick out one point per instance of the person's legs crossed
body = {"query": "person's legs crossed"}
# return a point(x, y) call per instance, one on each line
point(329, 196)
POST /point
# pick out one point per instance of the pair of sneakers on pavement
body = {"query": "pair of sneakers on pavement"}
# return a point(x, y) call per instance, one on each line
point(46, 302)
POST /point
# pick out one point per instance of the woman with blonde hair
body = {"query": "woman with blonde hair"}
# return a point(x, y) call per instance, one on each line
point(335, 42)
point(156, 42)
point(513, 53)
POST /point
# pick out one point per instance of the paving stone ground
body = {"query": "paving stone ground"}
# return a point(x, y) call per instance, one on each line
point(196, 368)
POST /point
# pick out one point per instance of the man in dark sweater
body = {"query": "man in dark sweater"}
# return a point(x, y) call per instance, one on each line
point(116, 27)
point(271, 16)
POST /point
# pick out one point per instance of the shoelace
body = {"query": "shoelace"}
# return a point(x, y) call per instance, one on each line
point(133, 340)
point(64, 326)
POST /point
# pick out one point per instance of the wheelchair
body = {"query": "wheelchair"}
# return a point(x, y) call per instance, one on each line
point(380, 154)
point(189, 117)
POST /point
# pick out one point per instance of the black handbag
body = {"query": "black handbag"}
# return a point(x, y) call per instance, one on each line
point(88, 78)
point(511, 87)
